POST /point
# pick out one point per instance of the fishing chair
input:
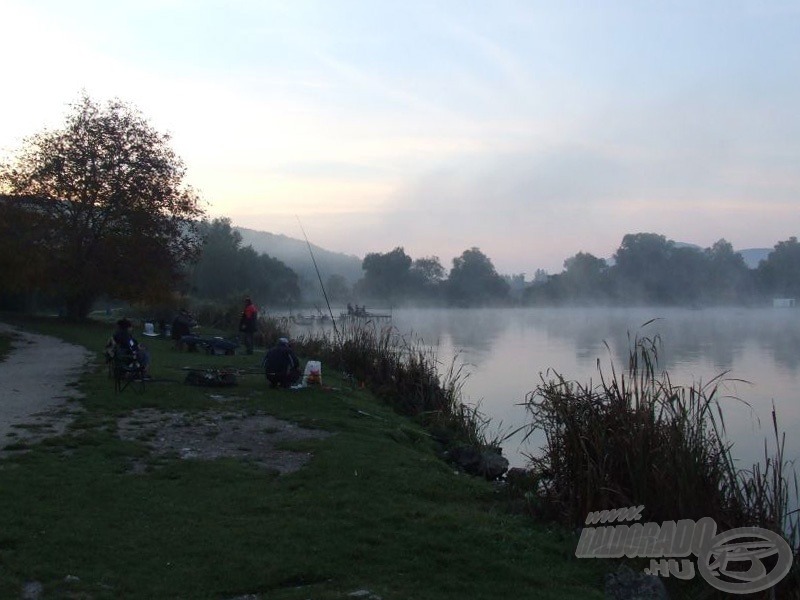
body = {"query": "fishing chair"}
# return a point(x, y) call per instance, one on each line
point(128, 371)
point(108, 352)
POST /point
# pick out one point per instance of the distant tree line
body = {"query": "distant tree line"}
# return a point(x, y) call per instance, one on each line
point(649, 269)
point(646, 269)
point(395, 278)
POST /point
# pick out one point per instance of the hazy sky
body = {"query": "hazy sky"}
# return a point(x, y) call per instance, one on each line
point(531, 129)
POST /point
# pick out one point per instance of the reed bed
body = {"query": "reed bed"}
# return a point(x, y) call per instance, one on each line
point(638, 439)
point(403, 372)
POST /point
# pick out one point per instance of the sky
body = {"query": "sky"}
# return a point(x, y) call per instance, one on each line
point(530, 129)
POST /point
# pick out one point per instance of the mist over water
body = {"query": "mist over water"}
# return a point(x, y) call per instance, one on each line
point(505, 350)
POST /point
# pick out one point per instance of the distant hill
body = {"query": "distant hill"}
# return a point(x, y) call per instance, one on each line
point(686, 245)
point(753, 256)
point(294, 254)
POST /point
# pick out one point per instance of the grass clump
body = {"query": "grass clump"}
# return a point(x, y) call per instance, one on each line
point(404, 373)
point(638, 439)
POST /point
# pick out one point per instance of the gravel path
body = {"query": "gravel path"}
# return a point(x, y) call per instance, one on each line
point(35, 392)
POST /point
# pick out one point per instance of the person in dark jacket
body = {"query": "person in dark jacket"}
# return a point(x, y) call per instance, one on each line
point(125, 342)
point(182, 327)
point(281, 365)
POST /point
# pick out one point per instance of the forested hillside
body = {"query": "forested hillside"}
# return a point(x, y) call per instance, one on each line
point(294, 254)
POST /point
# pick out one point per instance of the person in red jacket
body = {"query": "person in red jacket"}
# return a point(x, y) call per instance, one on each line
point(249, 323)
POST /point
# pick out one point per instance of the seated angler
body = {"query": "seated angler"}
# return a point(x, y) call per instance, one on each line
point(126, 343)
point(281, 365)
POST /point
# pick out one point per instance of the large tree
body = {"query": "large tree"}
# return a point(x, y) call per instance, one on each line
point(216, 275)
point(584, 278)
point(780, 272)
point(111, 191)
point(473, 281)
point(729, 278)
point(642, 269)
point(688, 281)
point(386, 276)
point(426, 276)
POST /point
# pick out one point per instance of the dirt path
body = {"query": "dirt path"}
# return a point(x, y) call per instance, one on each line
point(35, 386)
point(37, 396)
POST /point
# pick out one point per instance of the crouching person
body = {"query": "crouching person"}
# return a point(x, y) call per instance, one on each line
point(281, 365)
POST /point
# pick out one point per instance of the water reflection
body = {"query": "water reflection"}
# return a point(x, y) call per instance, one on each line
point(476, 330)
point(507, 349)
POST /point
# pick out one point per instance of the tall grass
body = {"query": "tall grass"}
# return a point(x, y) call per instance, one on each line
point(220, 315)
point(638, 439)
point(403, 372)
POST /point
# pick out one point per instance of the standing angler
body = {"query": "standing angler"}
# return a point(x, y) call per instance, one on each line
point(248, 323)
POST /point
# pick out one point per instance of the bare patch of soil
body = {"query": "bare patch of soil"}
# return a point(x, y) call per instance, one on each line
point(210, 435)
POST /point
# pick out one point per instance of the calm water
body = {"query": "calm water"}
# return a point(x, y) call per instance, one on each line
point(506, 350)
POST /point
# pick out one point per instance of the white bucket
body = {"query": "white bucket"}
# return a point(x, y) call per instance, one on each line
point(313, 373)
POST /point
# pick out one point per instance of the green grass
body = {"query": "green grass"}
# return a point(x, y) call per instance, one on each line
point(375, 509)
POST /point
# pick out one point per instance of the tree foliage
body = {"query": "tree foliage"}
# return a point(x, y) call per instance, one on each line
point(780, 272)
point(729, 279)
point(225, 269)
point(426, 276)
point(215, 275)
point(386, 276)
point(109, 189)
point(393, 277)
point(642, 266)
point(653, 270)
point(473, 280)
point(427, 270)
point(584, 277)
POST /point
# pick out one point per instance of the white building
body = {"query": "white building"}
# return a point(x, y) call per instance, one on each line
point(783, 303)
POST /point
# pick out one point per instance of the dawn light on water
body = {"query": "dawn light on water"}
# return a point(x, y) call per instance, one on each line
point(505, 350)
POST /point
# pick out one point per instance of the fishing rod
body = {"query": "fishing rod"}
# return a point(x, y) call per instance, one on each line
point(324, 293)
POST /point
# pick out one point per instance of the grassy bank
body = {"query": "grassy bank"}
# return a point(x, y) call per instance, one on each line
point(375, 508)
point(404, 373)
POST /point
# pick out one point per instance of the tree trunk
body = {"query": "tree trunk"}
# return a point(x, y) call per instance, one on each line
point(78, 306)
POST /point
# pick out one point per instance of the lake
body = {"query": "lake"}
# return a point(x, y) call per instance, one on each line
point(505, 350)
